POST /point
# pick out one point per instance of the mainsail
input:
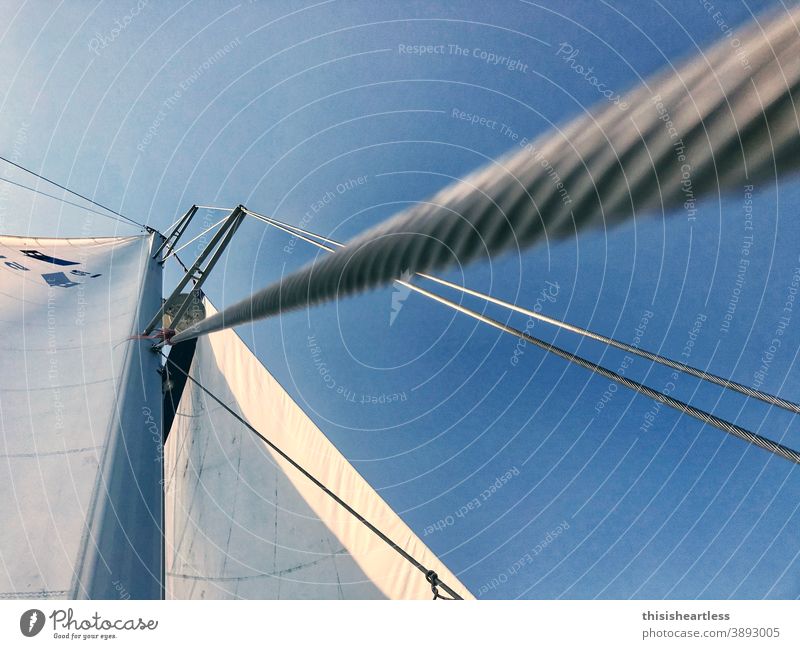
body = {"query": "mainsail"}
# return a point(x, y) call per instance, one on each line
point(82, 454)
point(80, 461)
point(243, 522)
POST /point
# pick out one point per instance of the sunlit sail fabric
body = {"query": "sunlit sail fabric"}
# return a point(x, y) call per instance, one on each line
point(80, 458)
point(242, 522)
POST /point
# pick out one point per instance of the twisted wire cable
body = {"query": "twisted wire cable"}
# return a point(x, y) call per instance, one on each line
point(771, 399)
point(732, 429)
point(716, 123)
point(706, 417)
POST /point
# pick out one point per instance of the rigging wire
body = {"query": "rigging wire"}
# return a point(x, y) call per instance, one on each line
point(174, 250)
point(172, 225)
point(182, 265)
point(381, 535)
point(74, 193)
point(199, 207)
point(58, 198)
point(723, 425)
point(213, 207)
point(651, 356)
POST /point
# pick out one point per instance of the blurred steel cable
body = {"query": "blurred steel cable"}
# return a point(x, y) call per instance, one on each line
point(717, 122)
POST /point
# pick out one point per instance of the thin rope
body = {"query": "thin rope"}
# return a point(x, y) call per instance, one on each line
point(169, 228)
point(414, 562)
point(174, 251)
point(58, 198)
point(657, 358)
point(295, 232)
point(74, 193)
point(651, 356)
point(199, 207)
point(182, 265)
point(433, 580)
point(214, 207)
point(726, 426)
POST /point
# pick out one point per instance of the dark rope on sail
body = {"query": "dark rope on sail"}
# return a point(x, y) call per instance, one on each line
point(381, 535)
point(707, 127)
point(73, 192)
point(643, 353)
point(433, 580)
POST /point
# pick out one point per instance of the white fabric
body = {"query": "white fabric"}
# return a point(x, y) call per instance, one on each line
point(242, 522)
point(79, 460)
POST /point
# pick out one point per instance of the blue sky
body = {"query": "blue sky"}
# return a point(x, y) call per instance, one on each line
point(147, 117)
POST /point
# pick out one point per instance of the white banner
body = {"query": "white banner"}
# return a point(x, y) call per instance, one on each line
point(129, 623)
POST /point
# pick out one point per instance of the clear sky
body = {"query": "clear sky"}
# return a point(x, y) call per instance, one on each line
point(324, 114)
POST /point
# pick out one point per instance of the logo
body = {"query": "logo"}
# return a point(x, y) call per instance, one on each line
point(31, 622)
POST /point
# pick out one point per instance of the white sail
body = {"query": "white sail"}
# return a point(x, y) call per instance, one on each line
point(80, 458)
point(242, 522)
